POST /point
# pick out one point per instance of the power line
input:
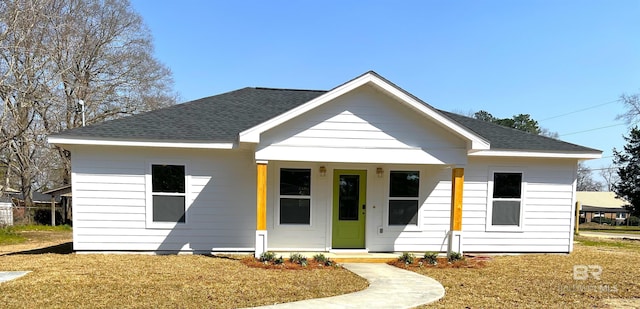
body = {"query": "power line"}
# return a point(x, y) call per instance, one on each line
point(594, 129)
point(603, 169)
point(581, 110)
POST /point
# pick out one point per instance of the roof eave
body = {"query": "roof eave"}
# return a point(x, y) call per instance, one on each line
point(580, 155)
point(66, 141)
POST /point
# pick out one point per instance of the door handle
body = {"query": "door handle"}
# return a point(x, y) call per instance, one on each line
point(364, 209)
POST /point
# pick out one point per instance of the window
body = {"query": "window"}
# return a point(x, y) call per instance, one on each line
point(404, 189)
point(295, 196)
point(506, 202)
point(168, 193)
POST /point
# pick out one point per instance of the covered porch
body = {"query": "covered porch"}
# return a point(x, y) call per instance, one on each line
point(358, 209)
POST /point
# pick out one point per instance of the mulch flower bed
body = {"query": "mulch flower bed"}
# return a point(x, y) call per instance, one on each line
point(443, 262)
point(287, 264)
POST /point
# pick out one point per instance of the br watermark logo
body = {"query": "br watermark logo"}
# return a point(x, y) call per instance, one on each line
point(584, 272)
point(588, 278)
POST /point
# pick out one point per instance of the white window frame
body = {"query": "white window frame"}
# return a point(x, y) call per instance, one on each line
point(149, 196)
point(388, 198)
point(523, 186)
point(279, 197)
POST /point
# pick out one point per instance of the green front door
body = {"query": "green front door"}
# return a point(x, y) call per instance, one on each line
point(349, 200)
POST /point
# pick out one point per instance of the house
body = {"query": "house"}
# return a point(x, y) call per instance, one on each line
point(365, 166)
point(63, 196)
point(602, 207)
point(41, 210)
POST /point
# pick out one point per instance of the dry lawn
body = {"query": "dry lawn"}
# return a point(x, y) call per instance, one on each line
point(546, 281)
point(38, 239)
point(150, 281)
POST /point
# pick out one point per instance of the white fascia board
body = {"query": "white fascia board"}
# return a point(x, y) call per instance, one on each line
point(76, 141)
point(477, 142)
point(252, 135)
point(536, 154)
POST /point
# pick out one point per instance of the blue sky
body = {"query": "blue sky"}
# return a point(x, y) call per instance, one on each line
point(560, 61)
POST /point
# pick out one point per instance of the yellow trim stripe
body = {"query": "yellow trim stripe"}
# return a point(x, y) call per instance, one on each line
point(261, 207)
point(457, 181)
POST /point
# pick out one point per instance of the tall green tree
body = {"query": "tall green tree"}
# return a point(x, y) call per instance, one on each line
point(628, 164)
point(522, 122)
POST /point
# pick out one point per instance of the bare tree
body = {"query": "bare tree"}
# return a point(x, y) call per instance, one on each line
point(610, 176)
point(632, 104)
point(54, 53)
point(25, 86)
point(585, 181)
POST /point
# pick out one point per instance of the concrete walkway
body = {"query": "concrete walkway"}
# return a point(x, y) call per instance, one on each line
point(10, 275)
point(389, 287)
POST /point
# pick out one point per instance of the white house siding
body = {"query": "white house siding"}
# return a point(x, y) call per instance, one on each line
point(548, 209)
point(109, 199)
point(428, 236)
point(363, 126)
point(433, 222)
point(299, 237)
point(548, 206)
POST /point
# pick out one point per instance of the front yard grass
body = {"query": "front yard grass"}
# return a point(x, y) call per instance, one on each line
point(151, 281)
point(547, 280)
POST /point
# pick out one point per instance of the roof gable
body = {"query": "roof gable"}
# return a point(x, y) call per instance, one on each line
point(252, 135)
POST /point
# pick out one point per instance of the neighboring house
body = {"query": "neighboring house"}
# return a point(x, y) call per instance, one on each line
point(598, 205)
point(63, 196)
point(365, 166)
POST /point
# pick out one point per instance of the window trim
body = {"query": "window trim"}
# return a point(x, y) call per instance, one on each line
point(278, 197)
point(388, 198)
point(523, 185)
point(149, 223)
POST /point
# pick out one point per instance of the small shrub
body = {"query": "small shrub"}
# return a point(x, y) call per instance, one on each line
point(320, 258)
point(330, 262)
point(278, 261)
point(323, 260)
point(431, 258)
point(267, 256)
point(298, 259)
point(455, 256)
point(407, 258)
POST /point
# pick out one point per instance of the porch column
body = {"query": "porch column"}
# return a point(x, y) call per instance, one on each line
point(455, 228)
point(261, 208)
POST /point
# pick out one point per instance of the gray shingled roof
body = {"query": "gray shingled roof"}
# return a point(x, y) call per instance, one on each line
point(222, 117)
point(504, 138)
point(218, 118)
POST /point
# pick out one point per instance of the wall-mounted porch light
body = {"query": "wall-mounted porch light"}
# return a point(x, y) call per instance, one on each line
point(323, 171)
point(379, 172)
